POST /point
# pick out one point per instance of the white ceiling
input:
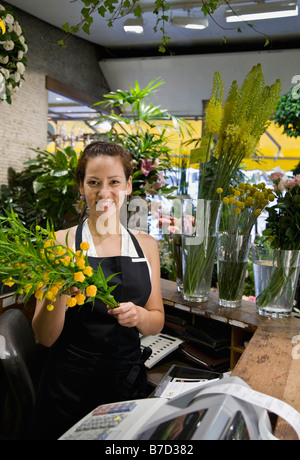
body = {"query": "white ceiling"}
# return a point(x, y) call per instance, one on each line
point(191, 67)
point(58, 12)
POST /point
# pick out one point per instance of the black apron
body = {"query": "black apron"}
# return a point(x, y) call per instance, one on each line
point(95, 360)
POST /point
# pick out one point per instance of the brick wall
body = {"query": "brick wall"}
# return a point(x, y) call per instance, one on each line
point(23, 124)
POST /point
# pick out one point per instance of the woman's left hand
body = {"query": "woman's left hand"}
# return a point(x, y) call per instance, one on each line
point(127, 314)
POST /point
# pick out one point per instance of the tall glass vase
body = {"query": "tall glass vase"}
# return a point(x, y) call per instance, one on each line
point(177, 253)
point(233, 252)
point(200, 224)
point(276, 274)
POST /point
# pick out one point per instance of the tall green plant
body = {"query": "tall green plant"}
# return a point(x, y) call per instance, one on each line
point(145, 132)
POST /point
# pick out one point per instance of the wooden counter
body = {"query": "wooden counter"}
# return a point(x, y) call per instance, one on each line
point(270, 363)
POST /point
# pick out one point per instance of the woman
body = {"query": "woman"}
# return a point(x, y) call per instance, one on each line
point(95, 353)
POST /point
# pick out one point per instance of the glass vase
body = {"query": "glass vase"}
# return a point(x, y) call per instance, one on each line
point(276, 274)
point(233, 252)
point(177, 252)
point(200, 224)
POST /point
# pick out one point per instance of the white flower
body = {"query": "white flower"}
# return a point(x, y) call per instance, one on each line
point(4, 60)
point(9, 19)
point(17, 28)
point(20, 67)
point(16, 76)
point(9, 45)
point(11, 66)
point(9, 28)
point(5, 72)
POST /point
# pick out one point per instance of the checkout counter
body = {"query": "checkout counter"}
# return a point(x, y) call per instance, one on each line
point(264, 352)
point(252, 401)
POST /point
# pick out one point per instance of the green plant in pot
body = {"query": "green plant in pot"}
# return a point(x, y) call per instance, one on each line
point(44, 189)
point(287, 114)
point(144, 130)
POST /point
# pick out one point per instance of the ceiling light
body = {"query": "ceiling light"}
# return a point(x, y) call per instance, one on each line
point(190, 22)
point(134, 26)
point(261, 11)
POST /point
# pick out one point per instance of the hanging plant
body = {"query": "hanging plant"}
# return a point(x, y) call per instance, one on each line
point(112, 10)
point(12, 50)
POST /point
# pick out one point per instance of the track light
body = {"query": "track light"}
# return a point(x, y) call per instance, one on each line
point(190, 22)
point(134, 25)
point(261, 11)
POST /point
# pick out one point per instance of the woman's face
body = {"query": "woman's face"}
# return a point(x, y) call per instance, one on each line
point(105, 185)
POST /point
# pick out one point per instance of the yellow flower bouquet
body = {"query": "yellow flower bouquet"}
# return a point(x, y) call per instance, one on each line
point(241, 209)
point(42, 267)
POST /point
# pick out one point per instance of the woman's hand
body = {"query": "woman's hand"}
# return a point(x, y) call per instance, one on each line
point(127, 314)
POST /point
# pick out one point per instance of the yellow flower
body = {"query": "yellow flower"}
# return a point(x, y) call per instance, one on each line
point(88, 271)
point(38, 294)
point(84, 246)
point(54, 290)
point(71, 302)
point(46, 278)
point(257, 212)
point(237, 211)
point(66, 261)
point(27, 288)
point(80, 262)
point(91, 291)
point(80, 298)
point(50, 307)
point(226, 200)
point(79, 277)
point(271, 197)
point(50, 295)
point(59, 250)
point(219, 191)
point(9, 282)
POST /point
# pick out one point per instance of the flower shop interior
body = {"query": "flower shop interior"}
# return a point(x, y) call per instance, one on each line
point(205, 96)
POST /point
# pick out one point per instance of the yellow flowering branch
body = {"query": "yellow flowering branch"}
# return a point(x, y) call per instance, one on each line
point(237, 126)
point(244, 204)
point(42, 267)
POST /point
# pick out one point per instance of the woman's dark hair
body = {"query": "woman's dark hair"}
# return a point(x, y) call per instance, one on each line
point(97, 148)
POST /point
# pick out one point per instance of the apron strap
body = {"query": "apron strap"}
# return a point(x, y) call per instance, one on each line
point(136, 245)
point(78, 236)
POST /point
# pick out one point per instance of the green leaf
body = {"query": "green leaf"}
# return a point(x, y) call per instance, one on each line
point(102, 10)
point(65, 27)
point(137, 11)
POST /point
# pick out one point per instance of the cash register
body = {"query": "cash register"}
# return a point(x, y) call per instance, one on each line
point(219, 409)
